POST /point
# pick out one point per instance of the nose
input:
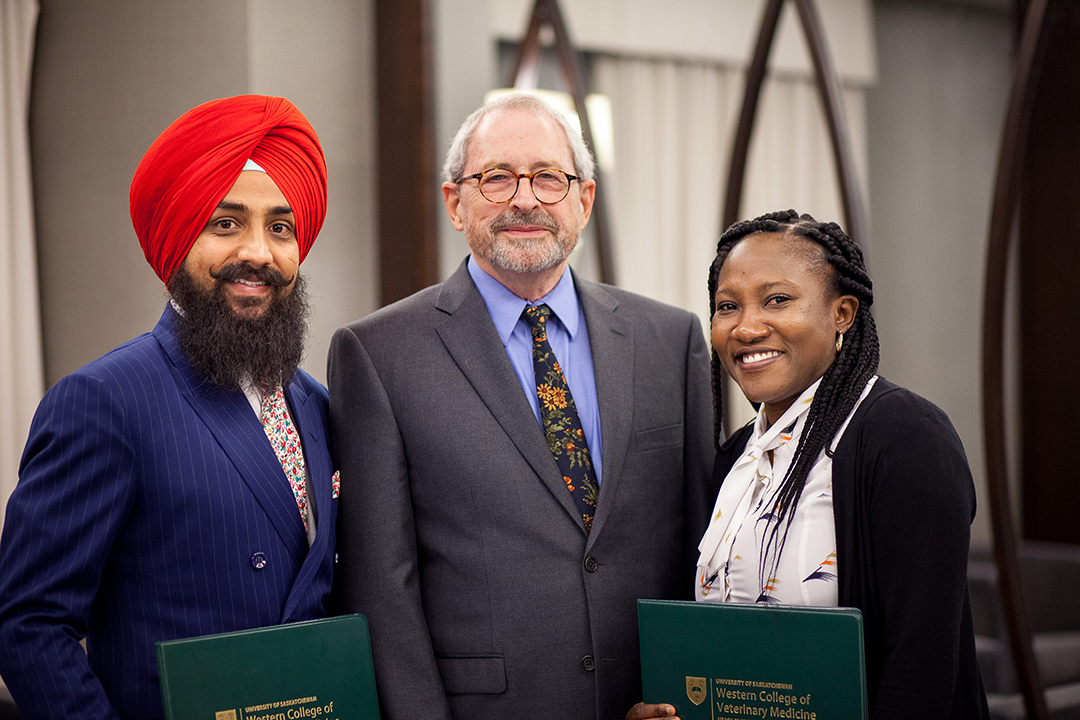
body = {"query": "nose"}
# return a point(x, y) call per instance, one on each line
point(524, 199)
point(750, 328)
point(255, 247)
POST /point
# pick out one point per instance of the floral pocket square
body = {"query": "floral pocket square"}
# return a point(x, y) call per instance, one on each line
point(335, 484)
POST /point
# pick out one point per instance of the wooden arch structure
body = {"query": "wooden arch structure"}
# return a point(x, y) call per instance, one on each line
point(524, 76)
point(1005, 201)
point(828, 86)
point(1006, 198)
point(526, 69)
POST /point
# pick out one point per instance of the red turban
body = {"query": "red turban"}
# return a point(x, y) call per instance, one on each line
point(194, 163)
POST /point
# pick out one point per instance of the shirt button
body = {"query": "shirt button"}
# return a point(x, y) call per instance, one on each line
point(591, 564)
point(588, 664)
point(258, 561)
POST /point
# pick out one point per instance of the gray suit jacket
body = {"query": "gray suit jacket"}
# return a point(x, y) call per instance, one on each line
point(458, 538)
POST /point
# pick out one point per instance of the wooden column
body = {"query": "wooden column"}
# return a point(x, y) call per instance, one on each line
point(1016, 136)
point(408, 187)
point(1049, 273)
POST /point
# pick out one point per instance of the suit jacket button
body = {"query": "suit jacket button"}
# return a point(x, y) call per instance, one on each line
point(588, 664)
point(258, 560)
point(591, 564)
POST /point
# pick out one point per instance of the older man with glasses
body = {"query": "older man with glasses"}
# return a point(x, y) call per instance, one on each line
point(524, 453)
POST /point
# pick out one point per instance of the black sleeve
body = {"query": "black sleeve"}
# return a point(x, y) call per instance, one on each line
point(917, 501)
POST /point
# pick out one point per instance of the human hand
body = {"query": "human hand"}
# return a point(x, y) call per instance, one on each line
point(641, 711)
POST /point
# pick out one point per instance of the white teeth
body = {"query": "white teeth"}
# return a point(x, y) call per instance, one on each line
point(759, 356)
point(251, 283)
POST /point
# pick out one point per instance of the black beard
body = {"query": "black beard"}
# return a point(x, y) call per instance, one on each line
point(228, 349)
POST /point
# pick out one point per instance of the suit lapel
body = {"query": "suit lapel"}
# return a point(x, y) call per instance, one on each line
point(310, 426)
point(473, 343)
point(611, 338)
point(229, 418)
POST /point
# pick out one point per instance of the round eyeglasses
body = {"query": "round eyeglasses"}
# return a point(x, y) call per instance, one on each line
point(500, 186)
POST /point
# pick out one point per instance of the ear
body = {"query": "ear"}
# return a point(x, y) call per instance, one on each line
point(844, 309)
point(451, 193)
point(588, 196)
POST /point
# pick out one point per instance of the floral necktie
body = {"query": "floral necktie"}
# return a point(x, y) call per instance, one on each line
point(562, 426)
point(286, 442)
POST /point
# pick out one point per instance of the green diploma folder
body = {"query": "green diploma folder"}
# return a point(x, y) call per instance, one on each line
point(316, 670)
point(733, 661)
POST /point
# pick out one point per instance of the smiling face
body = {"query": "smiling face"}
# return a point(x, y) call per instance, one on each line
point(522, 236)
point(777, 317)
point(249, 246)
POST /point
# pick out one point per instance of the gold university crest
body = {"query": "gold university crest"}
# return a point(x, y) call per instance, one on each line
point(695, 689)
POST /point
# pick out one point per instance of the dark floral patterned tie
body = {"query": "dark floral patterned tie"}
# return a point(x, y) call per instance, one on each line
point(562, 426)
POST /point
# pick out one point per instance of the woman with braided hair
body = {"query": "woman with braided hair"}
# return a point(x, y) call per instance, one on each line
point(846, 490)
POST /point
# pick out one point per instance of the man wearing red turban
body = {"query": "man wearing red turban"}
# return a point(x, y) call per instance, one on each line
point(181, 485)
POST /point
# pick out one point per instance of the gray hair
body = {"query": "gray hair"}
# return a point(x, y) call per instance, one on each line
point(454, 167)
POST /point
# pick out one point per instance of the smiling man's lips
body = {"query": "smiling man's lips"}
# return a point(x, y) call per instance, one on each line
point(249, 287)
point(525, 229)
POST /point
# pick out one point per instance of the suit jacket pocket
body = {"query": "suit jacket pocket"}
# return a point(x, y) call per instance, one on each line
point(472, 674)
point(659, 438)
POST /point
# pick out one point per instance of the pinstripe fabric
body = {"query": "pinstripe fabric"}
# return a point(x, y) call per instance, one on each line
point(144, 496)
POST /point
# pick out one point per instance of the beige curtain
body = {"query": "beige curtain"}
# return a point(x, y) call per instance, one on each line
point(673, 123)
point(21, 373)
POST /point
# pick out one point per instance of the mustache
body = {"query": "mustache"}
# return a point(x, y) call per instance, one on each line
point(510, 218)
point(247, 271)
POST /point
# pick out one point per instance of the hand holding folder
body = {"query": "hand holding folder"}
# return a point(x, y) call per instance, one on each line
point(732, 661)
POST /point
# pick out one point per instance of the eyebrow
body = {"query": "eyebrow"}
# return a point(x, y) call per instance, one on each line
point(242, 208)
point(764, 286)
point(536, 166)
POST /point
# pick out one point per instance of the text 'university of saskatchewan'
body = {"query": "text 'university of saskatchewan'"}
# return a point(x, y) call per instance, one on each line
point(292, 713)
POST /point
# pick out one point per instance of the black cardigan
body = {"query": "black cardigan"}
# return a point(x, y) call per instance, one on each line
point(903, 501)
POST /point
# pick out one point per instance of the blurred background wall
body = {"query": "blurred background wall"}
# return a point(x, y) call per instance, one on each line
point(110, 75)
point(925, 85)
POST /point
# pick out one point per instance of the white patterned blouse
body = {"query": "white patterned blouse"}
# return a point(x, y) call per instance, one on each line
point(737, 562)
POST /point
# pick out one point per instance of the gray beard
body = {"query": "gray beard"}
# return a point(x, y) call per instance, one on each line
point(505, 256)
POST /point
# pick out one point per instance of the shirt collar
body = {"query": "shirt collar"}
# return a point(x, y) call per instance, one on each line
point(505, 307)
point(768, 438)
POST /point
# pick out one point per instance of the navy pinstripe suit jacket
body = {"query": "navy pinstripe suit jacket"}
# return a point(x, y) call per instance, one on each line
point(151, 506)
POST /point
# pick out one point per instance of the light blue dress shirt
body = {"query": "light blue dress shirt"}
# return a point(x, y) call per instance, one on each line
point(569, 340)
